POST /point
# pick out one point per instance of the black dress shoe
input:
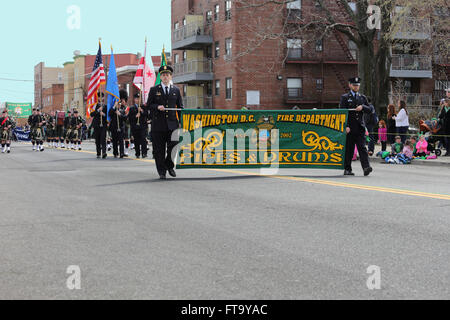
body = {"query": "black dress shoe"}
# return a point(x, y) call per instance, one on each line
point(172, 173)
point(144, 156)
point(99, 156)
point(348, 173)
point(162, 177)
point(367, 171)
point(105, 156)
point(138, 157)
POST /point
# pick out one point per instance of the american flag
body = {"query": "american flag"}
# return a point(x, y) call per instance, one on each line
point(98, 78)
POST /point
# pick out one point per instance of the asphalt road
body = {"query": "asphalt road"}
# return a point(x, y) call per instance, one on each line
point(214, 234)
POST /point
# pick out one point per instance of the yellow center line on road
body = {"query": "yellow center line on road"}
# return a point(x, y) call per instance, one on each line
point(315, 181)
point(344, 185)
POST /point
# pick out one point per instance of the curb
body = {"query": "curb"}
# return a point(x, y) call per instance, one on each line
point(429, 163)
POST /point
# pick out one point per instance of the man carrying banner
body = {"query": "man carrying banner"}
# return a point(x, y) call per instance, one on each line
point(6, 126)
point(99, 123)
point(138, 122)
point(358, 105)
point(164, 122)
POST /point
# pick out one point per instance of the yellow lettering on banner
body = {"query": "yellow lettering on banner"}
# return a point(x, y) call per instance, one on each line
point(186, 121)
point(204, 120)
point(251, 118)
point(308, 116)
point(208, 120)
point(235, 119)
point(243, 118)
point(343, 119)
point(336, 157)
point(317, 120)
point(327, 120)
point(297, 119)
point(218, 121)
point(322, 119)
point(291, 118)
point(333, 121)
point(303, 118)
point(313, 118)
point(270, 157)
point(192, 124)
point(284, 157)
point(224, 118)
point(279, 118)
point(337, 126)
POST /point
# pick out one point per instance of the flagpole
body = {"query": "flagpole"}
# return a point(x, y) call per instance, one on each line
point(118, 101)
point(101, 117)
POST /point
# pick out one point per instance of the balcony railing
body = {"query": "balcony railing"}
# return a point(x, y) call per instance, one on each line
point(193, 66)
point(438, 95)
point(191, 30)
point(197, 102)
point(294, 93)
point(412, 99)
point(294, 53)
point(411, 62)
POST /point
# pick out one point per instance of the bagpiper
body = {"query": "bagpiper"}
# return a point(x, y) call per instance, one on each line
point(38, 125)
point(77, 123)
point(67, 129)
point(6, 126)
point(30, 124)
point(59, 129)
point(50, 131)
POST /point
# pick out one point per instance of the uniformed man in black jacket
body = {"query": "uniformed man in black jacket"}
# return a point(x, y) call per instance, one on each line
point(164, 122)
point(138, 123)
point(358, 105)
point(99, 123)
point(117, 115)
point(30, 123)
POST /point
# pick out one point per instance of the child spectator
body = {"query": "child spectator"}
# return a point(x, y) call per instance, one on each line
point(397, 147)
point(408, 149)
point(422, 147)
point(382, 135)
point(414, 143)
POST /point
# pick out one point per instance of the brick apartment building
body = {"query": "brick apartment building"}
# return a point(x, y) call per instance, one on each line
point(53, 98)
point(209, 37)
point(44, 80)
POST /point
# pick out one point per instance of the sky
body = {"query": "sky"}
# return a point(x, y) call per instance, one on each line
point(47, 30)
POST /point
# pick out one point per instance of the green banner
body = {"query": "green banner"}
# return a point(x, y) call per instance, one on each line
point(19, 110)
point(262, 139)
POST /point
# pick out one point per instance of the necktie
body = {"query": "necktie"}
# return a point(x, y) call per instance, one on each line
point(167, 91)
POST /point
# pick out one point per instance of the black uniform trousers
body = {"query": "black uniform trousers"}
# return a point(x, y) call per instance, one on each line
point(358, 138)
point(162, 150)
point(140, 141)
point(117, 140)
point(100, 140)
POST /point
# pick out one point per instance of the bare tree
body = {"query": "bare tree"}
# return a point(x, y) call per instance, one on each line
point(371, 24)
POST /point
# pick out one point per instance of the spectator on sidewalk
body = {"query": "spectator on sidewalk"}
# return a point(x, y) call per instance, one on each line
point(402, 121)
point(422, 147)
point(371, 121)
point(397, 147)
point(391, 128)
point(444, 116)
point(408, 149)
point(382, 135)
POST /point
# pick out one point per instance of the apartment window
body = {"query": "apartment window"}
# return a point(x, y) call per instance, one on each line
point(317, 5)
point(295, 9)
point(319, 45)
point(441, 85)
point(176, 26)
point(177, 60)
point(294, 48)
point(184, 21)
point(353, 49)
point(184, 56)
point(229, 88)
point(217, 49)
point(294, 86)
point(217, 87)
point(185, 91)
point(209, 52)
point(319, 84)
point(216, 12)
point(209, 17)
point(228, 47)
point(227, 10)
point(408, 86)
point(60, 76)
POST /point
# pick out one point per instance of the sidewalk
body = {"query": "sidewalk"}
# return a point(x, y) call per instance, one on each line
point(440, 161)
